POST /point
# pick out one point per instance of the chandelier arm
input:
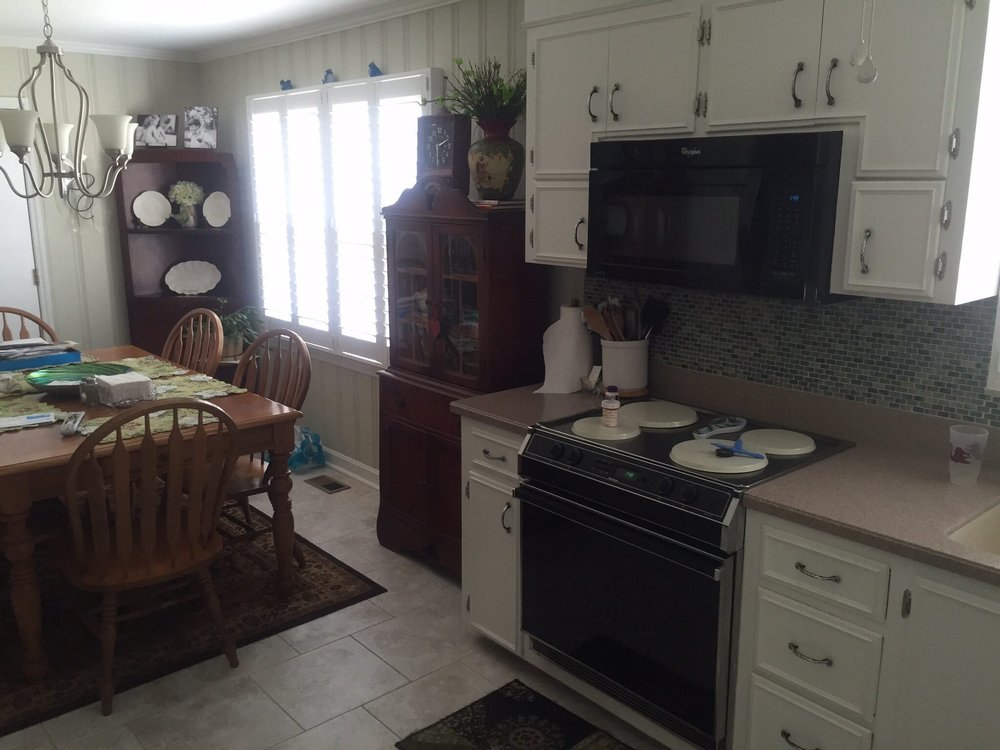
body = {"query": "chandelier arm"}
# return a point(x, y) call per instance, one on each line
point(26, 195)
point(47, 184)
point(37, 189)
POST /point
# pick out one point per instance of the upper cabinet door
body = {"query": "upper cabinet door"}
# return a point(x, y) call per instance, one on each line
point(460, 272)
point(411, 303)
point(762, 62)
point(568, 95)
point(653, 73)
point(908, 110)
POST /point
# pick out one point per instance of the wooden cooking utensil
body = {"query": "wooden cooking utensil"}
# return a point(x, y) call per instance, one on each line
point(595, 322)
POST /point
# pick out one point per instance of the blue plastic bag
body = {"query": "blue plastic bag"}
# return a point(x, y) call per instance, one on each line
point(308, 451)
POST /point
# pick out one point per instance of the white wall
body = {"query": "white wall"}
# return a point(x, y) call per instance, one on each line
point(82, 262)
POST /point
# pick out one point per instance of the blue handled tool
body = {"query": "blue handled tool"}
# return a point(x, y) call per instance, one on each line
point(737, 449)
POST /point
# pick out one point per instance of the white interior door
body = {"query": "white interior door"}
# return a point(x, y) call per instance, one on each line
point(17, 282)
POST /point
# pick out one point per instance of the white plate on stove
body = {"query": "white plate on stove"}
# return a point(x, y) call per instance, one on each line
point(591, 427)
point(700, 456)
point(778, 442)
point(658, 414)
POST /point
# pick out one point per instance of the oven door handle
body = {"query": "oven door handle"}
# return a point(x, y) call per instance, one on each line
point(670, 550)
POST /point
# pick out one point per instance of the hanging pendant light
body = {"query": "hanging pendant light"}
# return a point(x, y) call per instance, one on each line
point(51, 152)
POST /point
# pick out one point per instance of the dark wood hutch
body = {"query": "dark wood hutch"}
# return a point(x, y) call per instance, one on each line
point(463, 319)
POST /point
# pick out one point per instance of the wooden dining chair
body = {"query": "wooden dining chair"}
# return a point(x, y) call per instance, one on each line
point(145, 510)
point(195, 342)
point(277, 366)
point(21, 324)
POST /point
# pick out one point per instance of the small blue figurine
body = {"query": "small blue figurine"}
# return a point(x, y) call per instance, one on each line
point(286, 84)
point(328, 76)
point(374, 70)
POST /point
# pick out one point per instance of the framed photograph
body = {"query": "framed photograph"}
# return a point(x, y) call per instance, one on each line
point(201, 127)
point(156, 130)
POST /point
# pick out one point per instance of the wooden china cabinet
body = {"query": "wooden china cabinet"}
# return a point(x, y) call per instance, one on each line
point(464, 318)
point(149, 252)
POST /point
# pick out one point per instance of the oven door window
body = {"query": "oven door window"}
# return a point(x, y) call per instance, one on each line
point(682, 225)
point(633, 611)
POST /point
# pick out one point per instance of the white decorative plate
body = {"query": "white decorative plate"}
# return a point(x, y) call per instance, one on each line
point(192, 277)
point(151, 208)
point(217, 209)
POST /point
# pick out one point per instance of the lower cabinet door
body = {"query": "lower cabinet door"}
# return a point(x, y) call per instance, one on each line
point(781, 719)
point(490, 539)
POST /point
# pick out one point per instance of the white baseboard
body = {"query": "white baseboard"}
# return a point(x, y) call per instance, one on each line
point(364, 473)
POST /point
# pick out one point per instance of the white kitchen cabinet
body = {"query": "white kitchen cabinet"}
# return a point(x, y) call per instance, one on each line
point(908, 112)
point(557, 224)
point(894, 238)
point(942, 668)
point(924, 679)
point(761, 62)
point(491, 532)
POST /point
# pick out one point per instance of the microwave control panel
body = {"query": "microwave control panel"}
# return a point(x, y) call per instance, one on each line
point(783, 261)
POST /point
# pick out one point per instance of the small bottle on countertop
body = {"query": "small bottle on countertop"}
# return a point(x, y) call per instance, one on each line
point(610, 406)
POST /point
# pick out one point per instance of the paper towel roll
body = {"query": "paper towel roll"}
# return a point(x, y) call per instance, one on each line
point(567, 351)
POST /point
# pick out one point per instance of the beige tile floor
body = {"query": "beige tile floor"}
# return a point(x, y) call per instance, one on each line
point(357, 679)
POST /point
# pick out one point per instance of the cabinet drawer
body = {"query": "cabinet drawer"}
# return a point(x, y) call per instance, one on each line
point(421, 406)
point(828, 572)
point(781, 719)
point(817, 653)
point(492, 449)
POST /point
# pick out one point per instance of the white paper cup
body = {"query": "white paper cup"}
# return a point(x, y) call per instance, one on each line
point(968, 443)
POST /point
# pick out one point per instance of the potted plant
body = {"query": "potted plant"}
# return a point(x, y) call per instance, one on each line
point(239, 329)
point(495, 101)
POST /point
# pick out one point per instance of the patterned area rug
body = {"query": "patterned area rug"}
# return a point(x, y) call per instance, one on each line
point(513, 717)
point(155, 645)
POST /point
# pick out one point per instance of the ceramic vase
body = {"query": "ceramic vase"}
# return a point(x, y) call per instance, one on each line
point(496, 161)
point(186, 216)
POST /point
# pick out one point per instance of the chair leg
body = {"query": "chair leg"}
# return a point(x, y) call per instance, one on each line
point(245, 505)
point(215, 609)
point(109, 626)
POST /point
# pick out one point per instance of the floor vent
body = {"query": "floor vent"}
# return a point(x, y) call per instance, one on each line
point(328, 484)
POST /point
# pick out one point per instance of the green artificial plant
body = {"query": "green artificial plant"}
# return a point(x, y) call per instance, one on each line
point(481, 91)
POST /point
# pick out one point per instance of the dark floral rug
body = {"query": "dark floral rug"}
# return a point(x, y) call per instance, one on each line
point(157, 644)
point(513, 717)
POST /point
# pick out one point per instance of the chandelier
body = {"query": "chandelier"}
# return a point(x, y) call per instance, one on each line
point(43, 146)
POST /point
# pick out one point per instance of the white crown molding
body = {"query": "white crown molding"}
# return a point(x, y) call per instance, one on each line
point(148, 53)
point(341, 22)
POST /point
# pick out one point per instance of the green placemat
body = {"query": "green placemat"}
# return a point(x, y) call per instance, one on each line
point(153, 367)
point(18, 406)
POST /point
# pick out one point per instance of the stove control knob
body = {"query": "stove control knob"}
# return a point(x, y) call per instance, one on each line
point(690, 494)
point(574, 456)
point(556, 450)
point(666, 486)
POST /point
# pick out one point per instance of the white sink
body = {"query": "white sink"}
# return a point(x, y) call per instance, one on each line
point(982, 532)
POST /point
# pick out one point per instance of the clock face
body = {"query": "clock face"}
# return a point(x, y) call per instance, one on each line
point(437, 147)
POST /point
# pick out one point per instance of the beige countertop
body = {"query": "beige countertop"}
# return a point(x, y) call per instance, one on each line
point(890, 491)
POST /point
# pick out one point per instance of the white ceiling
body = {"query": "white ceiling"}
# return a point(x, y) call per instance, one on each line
point(188, 29)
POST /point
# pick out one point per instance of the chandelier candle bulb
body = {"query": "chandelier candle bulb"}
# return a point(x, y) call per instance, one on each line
point(130, 139)
point(58, 138)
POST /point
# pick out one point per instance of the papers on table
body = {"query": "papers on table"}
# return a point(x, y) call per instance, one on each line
point(27, 420)
point(35, 347)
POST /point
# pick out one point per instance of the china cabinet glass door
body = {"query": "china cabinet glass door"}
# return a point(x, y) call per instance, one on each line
point(413, 335)
point(459, 265)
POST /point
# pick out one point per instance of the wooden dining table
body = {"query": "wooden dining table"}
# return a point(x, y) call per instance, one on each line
point(33, 464)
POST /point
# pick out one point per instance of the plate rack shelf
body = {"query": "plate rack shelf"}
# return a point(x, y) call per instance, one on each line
point(149, 252)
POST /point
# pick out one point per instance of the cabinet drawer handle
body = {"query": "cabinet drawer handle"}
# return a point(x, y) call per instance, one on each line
point(794, 648)
point(491, 457)
point(590, 100)
point(611, 101)
point(503, 518)
point(864, 251)
point(801, 567)
point(576, 233)
point(830, 98)
point(787, 737)
point(795, 82)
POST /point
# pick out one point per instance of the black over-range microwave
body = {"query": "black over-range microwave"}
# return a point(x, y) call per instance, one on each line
point(753, 214)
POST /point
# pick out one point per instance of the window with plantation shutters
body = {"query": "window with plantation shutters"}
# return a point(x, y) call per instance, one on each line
point(325, 160)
